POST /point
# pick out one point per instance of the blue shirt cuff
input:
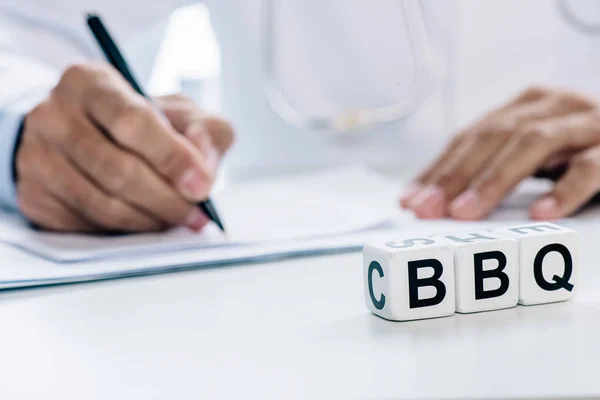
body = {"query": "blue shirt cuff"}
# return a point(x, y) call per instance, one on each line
point(10, 122)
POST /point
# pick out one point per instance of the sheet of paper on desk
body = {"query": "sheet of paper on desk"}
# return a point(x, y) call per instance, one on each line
point(269, 211)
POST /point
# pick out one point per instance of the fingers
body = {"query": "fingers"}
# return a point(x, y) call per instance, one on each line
point(575, 188)
point(212, 135)
point(492, 124)
point(109, 169)
point(47, 211)
point(125, 176)
point(520, 158)
point(101, 157)
point(427, 175)
point(475, 148)
point(55, 178)
point(134, 124)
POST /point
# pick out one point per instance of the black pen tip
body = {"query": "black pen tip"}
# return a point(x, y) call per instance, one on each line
point(211, 212)
point(220, 225)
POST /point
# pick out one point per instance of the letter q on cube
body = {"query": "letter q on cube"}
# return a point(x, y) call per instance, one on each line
point(411, 279)
point(548, 262)
point(431, 277)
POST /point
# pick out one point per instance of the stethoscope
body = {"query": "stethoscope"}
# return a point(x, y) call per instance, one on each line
point(358, 119)
point(352, 120)
point(578, 18)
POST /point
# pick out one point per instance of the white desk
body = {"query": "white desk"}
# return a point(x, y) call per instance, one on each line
point(291, 330)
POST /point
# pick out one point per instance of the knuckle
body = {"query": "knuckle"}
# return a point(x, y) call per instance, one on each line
point(77, 77)
point(535, 135)
point(131, 122)
point(497, 130)
point(173, 160)
point(84, 71)
point(576, 101)
point(453, 180)
point(534, 92)
point(76, 72)
point(47, 120)
point(221, 130)
point(121, 174)
point(459, 138)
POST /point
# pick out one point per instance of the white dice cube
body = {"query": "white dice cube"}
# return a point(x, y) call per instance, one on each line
point(548, 261)
point(409, 279)
point(486, 269)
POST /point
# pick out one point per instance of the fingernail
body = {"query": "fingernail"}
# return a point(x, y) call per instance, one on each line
point(196, 220)
point(545, 208)
point(408, 193)
point(428, 203)
point(193, 185)
point(211, 160)
point(467, 205)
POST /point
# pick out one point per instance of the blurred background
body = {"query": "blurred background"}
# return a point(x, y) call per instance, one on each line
point(189, 59)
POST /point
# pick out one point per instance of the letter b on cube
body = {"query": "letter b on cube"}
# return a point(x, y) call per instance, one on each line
point(409, 279)
point(486, 266)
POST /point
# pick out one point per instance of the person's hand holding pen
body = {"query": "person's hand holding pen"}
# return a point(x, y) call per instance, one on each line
point(95, 156)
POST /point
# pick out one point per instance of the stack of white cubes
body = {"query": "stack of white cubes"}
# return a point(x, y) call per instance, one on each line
point(427, 277)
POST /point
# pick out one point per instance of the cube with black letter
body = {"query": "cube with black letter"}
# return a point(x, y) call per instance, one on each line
point(548, 261)
point(486, 267)
point(409, 279)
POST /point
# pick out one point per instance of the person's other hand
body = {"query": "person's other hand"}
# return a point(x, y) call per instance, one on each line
point(95, 156)
point(540, 130)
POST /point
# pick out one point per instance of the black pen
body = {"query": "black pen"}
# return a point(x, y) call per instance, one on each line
point(114, 56)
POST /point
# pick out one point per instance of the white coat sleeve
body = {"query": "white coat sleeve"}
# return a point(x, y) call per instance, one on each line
point(26, 77)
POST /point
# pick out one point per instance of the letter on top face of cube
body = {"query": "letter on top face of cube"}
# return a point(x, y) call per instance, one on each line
point(486, 267)
point(409, 279)
point(548, 261)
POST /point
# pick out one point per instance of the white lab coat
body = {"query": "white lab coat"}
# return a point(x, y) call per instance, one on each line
point(482, 52)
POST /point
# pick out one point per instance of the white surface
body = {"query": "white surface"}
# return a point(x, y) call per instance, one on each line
point(291, 330)
point(391, 289)
point(532, 239)
point(464, 270)
point(286, 330)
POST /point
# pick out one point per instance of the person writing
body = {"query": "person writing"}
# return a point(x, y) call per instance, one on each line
point(81, 151)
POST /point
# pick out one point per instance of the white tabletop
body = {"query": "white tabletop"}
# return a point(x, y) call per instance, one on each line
point(288, 330)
